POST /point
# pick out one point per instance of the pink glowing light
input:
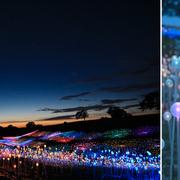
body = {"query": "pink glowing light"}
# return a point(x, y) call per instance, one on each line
point(175, 110)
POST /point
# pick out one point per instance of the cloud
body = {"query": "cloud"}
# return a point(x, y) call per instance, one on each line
point(131, 106)
point(78, 108)
point(75, 96)
point(114, 101)
point(137, 87)
point(47, 109)
point(106, 103)
point(58, 118)
point(84, 100)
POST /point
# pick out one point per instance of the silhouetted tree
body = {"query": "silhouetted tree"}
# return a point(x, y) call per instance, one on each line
point(150, 101)
point(117, 113)
point(30, 125)
point(11, 127)
point(65, 123)
point(82, 114)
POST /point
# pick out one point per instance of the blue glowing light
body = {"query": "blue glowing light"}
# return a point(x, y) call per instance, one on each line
point(149, 153)
point(175, 63)
point(171, 32)
point(169, 83)
point(167, 116)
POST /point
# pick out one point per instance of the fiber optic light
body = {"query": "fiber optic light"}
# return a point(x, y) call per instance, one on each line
point(169, 83)
point(175, 110)
point(167, 116)
point(175, 63)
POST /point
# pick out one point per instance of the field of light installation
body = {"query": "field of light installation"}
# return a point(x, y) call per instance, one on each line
point(170, 96)
point(120, 153)
point(79, 90)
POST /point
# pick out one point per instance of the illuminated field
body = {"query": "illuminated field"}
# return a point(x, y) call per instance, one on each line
point(121, 149)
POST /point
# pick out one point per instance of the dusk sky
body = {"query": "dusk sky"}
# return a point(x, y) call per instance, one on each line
point(60, 57)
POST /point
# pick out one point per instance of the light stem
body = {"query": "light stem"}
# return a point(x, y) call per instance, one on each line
point(172, 150)
point(178, 149)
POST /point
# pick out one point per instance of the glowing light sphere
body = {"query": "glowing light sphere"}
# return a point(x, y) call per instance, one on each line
point(175, 110)
point(175, 63)
point(167, 116)
point(37, 164)
point(169, 83)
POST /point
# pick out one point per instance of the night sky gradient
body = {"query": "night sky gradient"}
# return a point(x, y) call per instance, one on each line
point(67, 55)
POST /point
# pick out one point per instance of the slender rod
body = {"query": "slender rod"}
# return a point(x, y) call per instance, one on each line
point(178, 150)
point(172, 150)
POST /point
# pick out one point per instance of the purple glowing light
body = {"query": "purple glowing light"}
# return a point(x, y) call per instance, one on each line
point(145, 131)
point(175, 110)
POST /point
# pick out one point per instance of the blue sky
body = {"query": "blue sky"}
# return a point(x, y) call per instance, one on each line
point(50, 51)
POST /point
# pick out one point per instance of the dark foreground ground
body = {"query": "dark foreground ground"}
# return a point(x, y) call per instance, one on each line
point(98, 125)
